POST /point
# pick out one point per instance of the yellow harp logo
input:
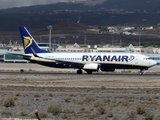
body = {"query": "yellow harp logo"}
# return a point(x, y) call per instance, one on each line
point(27, 42)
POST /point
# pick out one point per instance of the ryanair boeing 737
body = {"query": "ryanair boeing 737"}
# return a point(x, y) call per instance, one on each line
point(89, 62)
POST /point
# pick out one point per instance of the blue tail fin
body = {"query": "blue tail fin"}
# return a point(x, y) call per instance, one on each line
point(29, 43)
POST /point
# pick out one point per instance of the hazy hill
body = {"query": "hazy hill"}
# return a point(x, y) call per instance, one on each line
point(129, 5)
point(93, 13)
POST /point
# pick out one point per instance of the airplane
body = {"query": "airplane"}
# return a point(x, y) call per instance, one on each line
point(84, 61)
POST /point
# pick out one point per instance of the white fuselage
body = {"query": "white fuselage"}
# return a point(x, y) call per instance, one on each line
point(122, 59)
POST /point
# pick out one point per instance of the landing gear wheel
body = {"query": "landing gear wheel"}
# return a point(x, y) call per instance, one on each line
point(89, 72)
point(141, 73)
point(79, 71)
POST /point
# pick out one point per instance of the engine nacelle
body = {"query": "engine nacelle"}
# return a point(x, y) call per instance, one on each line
point(91, 67)
point(107, 69)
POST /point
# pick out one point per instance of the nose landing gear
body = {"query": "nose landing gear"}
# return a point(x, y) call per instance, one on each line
point(142, 71)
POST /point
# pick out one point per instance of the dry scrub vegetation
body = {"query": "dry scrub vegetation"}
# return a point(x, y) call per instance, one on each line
point(80, 97)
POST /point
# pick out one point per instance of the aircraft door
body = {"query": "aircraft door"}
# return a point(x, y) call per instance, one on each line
point(136, 60)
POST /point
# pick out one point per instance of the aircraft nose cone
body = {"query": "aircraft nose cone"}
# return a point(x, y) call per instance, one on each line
point(153, 63)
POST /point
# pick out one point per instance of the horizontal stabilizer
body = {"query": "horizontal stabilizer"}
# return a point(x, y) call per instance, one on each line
point(19, 53)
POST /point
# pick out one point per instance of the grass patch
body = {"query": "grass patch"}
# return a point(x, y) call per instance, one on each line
point(23, 113)
point(140, 109)
point(9, 102)
point(69, 111)
point(90, 98)
point(6, 113)
point(98, 103)
point(103, 87)
point(54, 109)
point(109, 114)
point(41, 115)
point(148, 116)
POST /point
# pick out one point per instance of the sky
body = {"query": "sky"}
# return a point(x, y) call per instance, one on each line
point(19, 3)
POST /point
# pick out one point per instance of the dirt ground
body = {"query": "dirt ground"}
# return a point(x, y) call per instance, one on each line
point(59, 95)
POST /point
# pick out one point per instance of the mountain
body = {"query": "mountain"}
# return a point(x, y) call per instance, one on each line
point(91, 13)
point(127, 5)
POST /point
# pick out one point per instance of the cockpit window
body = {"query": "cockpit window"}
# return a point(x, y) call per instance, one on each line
point(147, 58)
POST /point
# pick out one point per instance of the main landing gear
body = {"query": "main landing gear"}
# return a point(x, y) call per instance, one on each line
point(80, 72)
point(141, 72)
point(89, 72)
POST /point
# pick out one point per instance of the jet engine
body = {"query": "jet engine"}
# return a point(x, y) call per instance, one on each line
point(91, 67)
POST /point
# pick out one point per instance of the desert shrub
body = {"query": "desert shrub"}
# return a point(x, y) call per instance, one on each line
point(91, 116)
point(23, 113)
point(98, 103)
point(41, 115)
point(131, 114)
point(9, 102)
point(101, 110)
point(109, 114)
point(103, 87)
point(50, 95)
point(90, 98)
point(148, 116)
point(55, 109)
point(140, 109)
point(37, 95)
point(67, 100)
point(65, 116)
point(6, 113)
point(84, 110)
point(18, 94)
point(69, 111)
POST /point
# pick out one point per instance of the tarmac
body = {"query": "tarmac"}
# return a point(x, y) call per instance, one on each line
point(37, 67)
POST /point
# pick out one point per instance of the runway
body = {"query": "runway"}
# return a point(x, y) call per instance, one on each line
point(29, 69)
point(69, 80)
point(102, 75)
point(68, 77)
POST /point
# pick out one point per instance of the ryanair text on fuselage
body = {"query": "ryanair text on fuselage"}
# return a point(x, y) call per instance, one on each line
point(109, 58)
